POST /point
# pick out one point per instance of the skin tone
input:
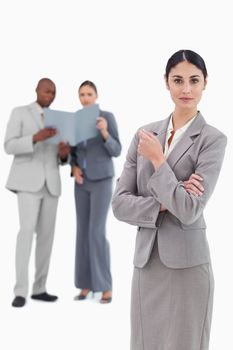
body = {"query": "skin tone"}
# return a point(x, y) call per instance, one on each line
point(185, 84)
point(46, 92)
point(87, 97)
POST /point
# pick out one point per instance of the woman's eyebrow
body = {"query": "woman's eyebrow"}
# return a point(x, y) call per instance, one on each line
point(180, 76)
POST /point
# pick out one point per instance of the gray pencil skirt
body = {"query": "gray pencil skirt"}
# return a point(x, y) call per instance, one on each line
point(171, 309)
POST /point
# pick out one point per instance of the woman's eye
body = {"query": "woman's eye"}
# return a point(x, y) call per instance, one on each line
point(194, 81)
point(177, 81)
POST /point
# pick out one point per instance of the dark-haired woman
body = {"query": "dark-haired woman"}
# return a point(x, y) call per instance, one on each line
point(92, 168)
point(170, 172)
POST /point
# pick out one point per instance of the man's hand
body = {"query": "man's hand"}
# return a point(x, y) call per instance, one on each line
point(44, 134)
point(63, 150)
point(78, 175)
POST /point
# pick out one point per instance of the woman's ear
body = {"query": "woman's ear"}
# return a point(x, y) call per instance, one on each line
point(205, 83)
point(166, 82)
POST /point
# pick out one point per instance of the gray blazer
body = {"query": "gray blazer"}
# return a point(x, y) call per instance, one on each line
point(98, 153)
point(32, 163)
point(140, 190)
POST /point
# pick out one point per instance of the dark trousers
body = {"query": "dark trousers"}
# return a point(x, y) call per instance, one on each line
point(92, 258)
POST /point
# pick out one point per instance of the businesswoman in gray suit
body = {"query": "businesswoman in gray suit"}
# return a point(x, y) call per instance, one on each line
point(170, 172)
point(92, 168)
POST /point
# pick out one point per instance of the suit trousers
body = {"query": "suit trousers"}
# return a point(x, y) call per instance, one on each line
point(92, 258)
point(171, 309)
point(37, 214)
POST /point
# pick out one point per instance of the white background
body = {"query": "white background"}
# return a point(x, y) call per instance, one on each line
point(123, 46)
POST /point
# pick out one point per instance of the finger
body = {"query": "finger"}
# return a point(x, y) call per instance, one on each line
point(197, 177)
point(50, 129)
point(143, 135)
point(139, 149)
point(80, 179)
point(192, 192)
point(147, 136)
point(148, 133)
point(192, 188)
point(197, 184)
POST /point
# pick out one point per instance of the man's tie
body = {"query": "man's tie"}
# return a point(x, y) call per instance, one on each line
point(171, 137)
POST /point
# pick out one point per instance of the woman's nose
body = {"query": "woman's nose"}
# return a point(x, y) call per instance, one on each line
point(186, 88)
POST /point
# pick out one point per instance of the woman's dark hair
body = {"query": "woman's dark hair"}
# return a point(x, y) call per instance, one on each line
point(90, 84)
point(186, 55)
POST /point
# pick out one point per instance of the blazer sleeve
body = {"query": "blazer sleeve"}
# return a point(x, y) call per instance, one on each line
point(127, 204)
point(15, 143)
point(64, 162)
point(112, 143)
point(187, 207)
point(73, 158)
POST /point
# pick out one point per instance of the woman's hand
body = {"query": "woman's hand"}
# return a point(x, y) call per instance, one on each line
point(162, 208)
point(193, 185)
point(150, 148)
point(78, 174)
point(102, 126)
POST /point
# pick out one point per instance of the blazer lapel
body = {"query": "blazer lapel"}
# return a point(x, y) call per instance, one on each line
point(160, 130)
point(36, 115)
point(187, 140)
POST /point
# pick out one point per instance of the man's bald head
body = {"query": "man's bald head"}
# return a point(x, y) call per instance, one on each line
point(46, 91)
point(43, 81)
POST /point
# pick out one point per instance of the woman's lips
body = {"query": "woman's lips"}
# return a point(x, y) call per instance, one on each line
point(186, 99)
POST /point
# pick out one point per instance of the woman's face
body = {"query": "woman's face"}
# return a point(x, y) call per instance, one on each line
point(87, 95)
point(186, 83)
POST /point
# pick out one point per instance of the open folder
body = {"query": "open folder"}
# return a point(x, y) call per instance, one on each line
point(72, 127)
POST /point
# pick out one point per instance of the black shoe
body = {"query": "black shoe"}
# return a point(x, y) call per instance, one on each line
point(44, 297)
point(18, 301)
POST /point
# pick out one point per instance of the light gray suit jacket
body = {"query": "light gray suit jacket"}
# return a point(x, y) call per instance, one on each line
point(140, 190)
point(33, 164)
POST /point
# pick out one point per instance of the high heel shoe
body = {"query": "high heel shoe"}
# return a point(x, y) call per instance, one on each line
point(106, 300)
point(83, 296)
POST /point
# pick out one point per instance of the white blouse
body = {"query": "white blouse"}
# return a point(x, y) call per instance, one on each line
point(177, 136)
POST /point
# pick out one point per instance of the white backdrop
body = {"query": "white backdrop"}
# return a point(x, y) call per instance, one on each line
point(123, 46)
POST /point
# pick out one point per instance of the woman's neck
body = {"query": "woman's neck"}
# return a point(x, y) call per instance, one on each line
point(181, 117)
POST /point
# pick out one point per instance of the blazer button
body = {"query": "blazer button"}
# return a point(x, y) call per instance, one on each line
point(148, 218)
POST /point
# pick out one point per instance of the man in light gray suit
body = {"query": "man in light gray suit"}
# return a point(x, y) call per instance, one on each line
point(34, 177)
